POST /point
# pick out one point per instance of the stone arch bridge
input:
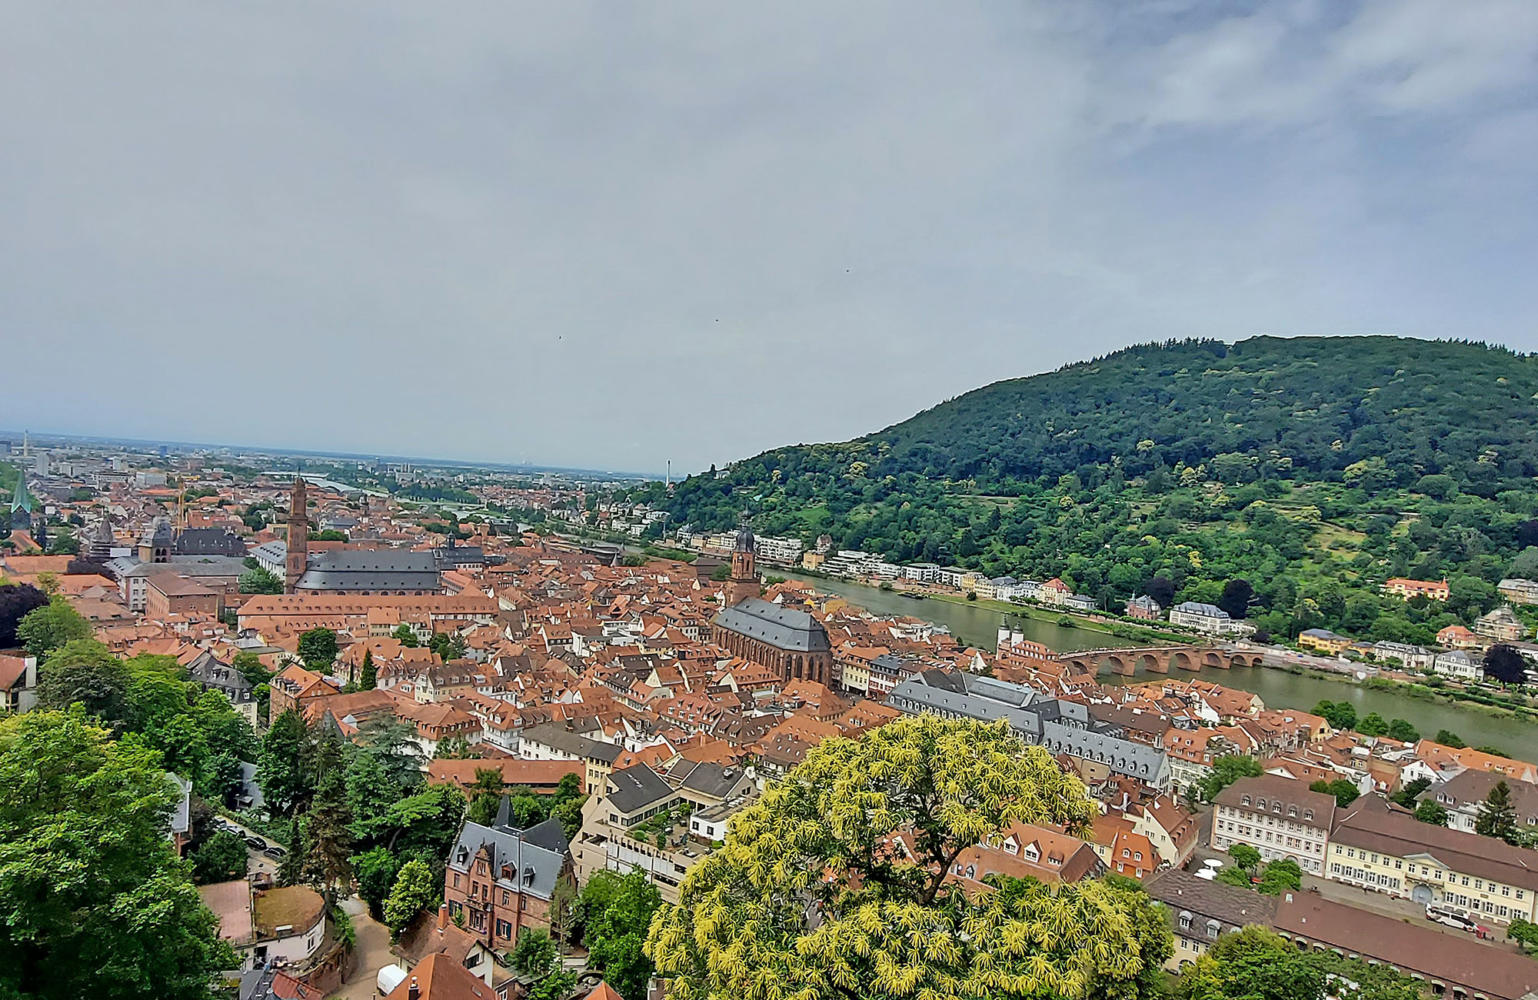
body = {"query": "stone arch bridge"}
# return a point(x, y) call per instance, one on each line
point(1159, 659)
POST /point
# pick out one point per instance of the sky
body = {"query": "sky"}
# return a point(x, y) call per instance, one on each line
point(611, 235)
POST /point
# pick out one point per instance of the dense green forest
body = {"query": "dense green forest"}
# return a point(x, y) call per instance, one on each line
point(1312, 468)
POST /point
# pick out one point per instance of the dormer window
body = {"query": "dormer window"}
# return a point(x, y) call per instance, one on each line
point(1245, 800)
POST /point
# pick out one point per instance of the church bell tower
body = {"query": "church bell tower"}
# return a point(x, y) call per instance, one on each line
point(298, 536)
point(744, 579)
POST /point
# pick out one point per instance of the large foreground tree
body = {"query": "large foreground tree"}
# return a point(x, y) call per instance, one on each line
point(834, 884)
point(93, 899)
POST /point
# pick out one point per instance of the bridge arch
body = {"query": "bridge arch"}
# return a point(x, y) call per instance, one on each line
point(1180, 658)
point(1118, 665)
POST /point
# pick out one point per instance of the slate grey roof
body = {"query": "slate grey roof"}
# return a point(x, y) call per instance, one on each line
point(450, 556)
point(1058, 726)
point(212, 673)
point(783, 628)
point(552, 734)
point(158, 534)
point(192, 567)
point(527, 860)
point(274, 551)
point(1231, 906)
point(893, 665)
point(548, 835)
point(708, 779)
point(209, 542)
point(1198, 608)
point(637, 787)
point(371, 569)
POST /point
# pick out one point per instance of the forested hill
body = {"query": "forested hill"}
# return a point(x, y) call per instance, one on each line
point(1326, 458)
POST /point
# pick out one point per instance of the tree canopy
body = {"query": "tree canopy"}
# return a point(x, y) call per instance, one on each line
point(318, 648)
point(47, 628)
point(1226, 770)
point(616, 911)
point(93, 899)
point(1258, 964)
point(890, 922)
point(1502, 664)
point(16, 601)
point(1497, 816)
point(260, 581)
point(1309, 470)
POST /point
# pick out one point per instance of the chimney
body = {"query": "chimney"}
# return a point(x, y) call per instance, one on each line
point(443, 917)
point(413, 992)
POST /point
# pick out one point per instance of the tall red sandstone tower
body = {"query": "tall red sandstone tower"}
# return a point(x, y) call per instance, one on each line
point(298, 535)
point(744, 580)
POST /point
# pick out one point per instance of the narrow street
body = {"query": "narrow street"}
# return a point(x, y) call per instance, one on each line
point(372, 952)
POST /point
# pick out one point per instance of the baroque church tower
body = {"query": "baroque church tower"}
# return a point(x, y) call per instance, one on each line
point(743, 583)
point(298, 535)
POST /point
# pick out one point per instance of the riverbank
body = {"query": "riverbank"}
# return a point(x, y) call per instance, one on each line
point(1065, 619)
point(1281, 685)
point(1485, 704)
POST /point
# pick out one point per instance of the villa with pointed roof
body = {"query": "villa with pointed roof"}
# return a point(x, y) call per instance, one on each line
point(501, 879)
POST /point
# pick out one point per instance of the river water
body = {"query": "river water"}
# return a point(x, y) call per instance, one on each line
point(976, 626)
point(970, 624)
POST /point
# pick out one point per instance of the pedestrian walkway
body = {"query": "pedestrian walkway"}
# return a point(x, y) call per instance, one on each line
point(371, 953)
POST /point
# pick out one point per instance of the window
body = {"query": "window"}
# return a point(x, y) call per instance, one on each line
point(1213, 930)
point(504, 930)
point(1185, 920)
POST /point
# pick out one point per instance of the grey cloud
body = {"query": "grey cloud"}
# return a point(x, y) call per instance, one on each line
point(603, 234)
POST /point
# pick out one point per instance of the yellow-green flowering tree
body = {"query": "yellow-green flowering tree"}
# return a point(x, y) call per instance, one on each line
point(813, 896)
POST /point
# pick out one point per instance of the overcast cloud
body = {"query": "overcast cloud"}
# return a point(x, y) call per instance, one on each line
point(609, 235)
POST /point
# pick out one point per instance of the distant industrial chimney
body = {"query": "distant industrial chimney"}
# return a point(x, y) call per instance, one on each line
point(413, 992)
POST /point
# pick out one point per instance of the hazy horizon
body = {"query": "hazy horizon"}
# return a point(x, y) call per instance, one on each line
point(603, 237)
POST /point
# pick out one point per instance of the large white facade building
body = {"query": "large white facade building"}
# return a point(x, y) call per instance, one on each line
point(1277, 816)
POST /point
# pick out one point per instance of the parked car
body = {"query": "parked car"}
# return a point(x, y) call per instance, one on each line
point(1451, 917)
point(256, 843)
point(276, 853)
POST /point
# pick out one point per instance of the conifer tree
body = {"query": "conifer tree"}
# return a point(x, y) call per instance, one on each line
point(1497, 816)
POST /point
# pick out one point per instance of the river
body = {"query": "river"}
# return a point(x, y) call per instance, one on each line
point(1278, 688)
point(970, 624)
